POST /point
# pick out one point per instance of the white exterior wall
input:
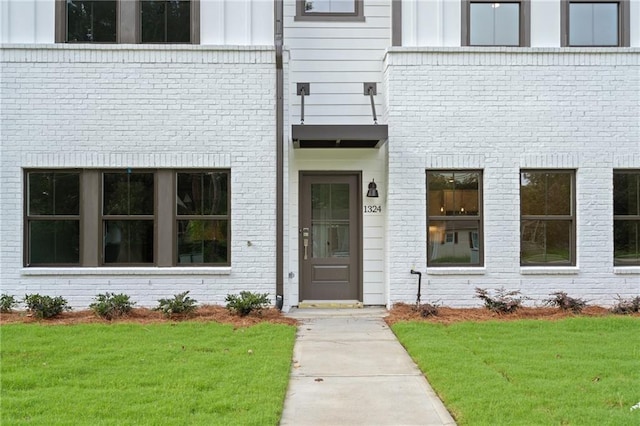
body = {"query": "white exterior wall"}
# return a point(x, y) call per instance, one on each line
point(502, 110)
point(115, 106)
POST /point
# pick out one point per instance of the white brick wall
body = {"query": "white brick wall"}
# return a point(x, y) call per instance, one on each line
point(123, 106)
point(501, 110)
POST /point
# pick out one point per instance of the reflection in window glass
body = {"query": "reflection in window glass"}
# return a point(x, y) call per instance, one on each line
point(128, 193)
point(91, 21)
point(128, 241)
point(202, 241)
point(494, 24)
point(330, 6)
point(330, 220)
point(547, 218)
point(593, 24)
point(166, 21)
point(454, 234)
point(626, 226)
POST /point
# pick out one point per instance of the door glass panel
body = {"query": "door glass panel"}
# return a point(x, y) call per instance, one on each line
point(330, 220)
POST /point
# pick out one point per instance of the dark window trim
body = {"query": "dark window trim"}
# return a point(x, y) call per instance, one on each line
point(624, 34)
point(479, 218)
point(571, 217)
point(525, 21)
point(127, 22)
point(633, 218)
point(302, 15)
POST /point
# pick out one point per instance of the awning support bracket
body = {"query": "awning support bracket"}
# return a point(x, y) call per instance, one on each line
point(301, 90)
point(370, 89)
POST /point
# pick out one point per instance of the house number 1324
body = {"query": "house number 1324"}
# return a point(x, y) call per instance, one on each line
point(372, 209)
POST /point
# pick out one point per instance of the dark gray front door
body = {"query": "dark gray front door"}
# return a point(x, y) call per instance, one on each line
point(330, 236)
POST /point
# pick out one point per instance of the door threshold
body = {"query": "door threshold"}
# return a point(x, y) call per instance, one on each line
point(330, 304)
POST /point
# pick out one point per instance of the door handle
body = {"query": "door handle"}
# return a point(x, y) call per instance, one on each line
point(305, 242)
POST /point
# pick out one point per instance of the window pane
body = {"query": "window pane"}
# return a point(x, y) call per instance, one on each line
point(626, 194)
point(128, 193)
point(545, 193)
point(202, 193)
point(54, 241)
point(454, 242)
point(330, 6)
point(626, 242)
point(128, 241)
point(91, 21)
point(494, 24)
point(545, 242)
point(453, 193)
point(166, 21)
point(593, 24)
point(202, 241)
point(54, 193)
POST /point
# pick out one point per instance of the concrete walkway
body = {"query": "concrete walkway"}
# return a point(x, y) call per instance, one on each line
point(349, 369)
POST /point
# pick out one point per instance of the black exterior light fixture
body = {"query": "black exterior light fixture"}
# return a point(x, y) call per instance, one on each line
point(373, 189)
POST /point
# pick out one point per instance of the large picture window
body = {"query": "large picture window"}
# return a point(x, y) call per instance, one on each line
point(595, 23)
point(490, 23)
point(127, 217)
point(454, 218)
point(626, 218)
point(52, 218)
point(202, 221)
point(547, 218)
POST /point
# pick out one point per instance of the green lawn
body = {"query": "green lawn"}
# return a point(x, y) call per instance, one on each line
point(172, 373)
point(578, 371)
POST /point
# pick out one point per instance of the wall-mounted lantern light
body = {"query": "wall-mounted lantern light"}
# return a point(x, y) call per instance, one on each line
point(373, 189)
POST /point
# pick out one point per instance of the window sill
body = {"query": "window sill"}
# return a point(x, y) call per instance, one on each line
point(549, 270)
point(206, 270)
point(626, 270)
point(474, 270)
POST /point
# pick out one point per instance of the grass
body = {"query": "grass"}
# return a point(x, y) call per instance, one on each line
point(577, 371)
point(172, 373)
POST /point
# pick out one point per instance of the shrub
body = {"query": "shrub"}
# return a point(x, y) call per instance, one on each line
point(502, 302)
point(110, 305)
point(45, 306)
point(180, 304)
point(247, 302)
point(626, 306)
point(427, 310)
point(566, 303)
point(7, 303)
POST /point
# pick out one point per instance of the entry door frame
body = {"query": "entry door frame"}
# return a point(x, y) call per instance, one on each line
point(357, 227)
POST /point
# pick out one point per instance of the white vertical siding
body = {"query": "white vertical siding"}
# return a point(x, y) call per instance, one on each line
point(27, 21)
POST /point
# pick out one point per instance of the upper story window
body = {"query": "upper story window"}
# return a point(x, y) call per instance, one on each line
point(547, 218)
point(595, 23)
point(454, 218)
point(329, 10)
point(489, 23)
point(91, 21)
point(128, 21)
point(626, 218)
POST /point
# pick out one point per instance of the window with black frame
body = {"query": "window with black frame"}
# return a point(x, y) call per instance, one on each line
point(128, 215)
point(626, 218)
point(490, 23)
point(593, 23)
point(52, 218)
point(454, 218)
point(91, 21)
point(202, 218)
point(329, 10)
point(547, 218)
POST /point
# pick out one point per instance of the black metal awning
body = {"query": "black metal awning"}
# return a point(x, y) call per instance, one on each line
point(339, 135)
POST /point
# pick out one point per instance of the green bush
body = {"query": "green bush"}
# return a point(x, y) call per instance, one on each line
point(180, 304)
point(247, 302)
point(7, 303)
point(110, 305)
point(566, 303)
point(626, 306)
point(45, 306)
point(502, 302)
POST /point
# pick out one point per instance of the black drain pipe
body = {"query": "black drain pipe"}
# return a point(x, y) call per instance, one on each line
point(419, 274)
point(278, 41)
